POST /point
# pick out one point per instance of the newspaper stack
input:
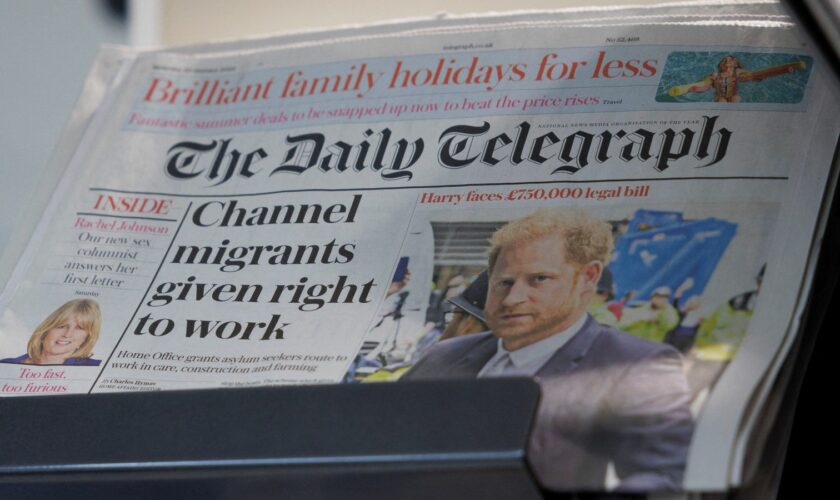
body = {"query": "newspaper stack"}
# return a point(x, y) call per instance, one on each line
point(624, 203)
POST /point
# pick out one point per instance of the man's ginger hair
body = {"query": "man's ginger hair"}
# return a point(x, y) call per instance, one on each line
point(585, 239)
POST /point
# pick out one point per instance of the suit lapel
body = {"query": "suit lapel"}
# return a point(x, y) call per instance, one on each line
point(471, 362)
point(570, 355)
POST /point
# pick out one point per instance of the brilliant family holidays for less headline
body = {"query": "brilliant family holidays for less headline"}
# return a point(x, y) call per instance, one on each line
point(360, 78)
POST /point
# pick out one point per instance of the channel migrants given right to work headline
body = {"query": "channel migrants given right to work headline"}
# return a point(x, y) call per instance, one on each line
point(623, 210)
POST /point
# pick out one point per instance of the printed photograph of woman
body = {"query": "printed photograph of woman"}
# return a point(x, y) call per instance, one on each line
point(65, 337)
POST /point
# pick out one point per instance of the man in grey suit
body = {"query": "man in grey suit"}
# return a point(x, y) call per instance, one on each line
point(607, 397)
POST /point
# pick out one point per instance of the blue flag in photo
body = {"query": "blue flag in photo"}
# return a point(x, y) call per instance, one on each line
point(646, 260)
point(645, 220)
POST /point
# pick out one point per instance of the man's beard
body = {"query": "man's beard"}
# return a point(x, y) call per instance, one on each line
point(532, 326)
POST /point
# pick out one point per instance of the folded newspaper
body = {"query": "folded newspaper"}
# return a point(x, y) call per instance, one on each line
point(624, 203)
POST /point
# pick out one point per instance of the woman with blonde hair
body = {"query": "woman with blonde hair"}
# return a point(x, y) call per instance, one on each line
point(65, 337)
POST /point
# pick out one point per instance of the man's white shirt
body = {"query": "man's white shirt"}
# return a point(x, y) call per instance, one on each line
point(528, 360)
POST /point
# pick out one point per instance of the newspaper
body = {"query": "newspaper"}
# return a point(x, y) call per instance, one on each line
point(621, 203)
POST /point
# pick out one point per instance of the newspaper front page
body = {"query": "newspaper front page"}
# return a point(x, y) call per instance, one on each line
point(622, 209)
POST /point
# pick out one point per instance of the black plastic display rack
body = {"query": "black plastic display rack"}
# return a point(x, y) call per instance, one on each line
point(417, 440)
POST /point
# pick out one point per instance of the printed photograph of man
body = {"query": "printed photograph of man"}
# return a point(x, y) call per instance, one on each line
point(66, 337)
point(610, 400)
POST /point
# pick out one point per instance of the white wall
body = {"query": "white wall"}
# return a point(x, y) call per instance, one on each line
point(190, 21)
point(46, 49)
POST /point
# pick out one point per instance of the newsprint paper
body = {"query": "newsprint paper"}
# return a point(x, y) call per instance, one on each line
point(620, 203)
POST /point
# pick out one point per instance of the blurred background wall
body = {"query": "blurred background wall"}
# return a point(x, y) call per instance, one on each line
point(189, 21)
point(46, 48)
